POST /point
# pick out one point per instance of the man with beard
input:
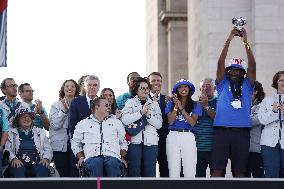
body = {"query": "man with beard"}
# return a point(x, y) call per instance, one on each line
point(10, 102)
point(232, 121)
point(120, 100)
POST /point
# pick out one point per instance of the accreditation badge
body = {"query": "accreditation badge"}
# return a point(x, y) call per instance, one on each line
point(237, 104)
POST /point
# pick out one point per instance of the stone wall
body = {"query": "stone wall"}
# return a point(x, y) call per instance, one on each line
point(189, 46)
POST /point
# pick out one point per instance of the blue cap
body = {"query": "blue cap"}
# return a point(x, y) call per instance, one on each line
point(184, 82)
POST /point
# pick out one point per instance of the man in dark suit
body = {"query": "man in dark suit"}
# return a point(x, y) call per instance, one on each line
point(80, 107)
point(155, 79)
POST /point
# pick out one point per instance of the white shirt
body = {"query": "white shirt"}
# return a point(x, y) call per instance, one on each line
point(270, 120)
point(153, 94)
point(89, 100)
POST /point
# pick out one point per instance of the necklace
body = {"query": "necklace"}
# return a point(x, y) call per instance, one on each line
point(234, 90)
point(26, 131)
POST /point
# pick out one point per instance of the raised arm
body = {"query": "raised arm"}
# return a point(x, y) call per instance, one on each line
point(57, 116)
point(251, 71)
point(173, 112)
point(221, 61)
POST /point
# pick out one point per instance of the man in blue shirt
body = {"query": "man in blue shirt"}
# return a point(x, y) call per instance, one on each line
point(10, 102)
point(3, 135)
point(232, 120)
point(26, 93)
point(120, 100)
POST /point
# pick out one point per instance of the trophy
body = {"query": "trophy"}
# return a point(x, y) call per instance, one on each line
point(239, 23)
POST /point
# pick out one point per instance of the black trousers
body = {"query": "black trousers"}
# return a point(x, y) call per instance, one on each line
point(162, 157)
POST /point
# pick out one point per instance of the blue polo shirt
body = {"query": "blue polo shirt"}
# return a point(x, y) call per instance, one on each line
point(27, 143)
point(3, 122)
point(226, 114)
point(120, 100)
point(180, 122)
point(37, 121)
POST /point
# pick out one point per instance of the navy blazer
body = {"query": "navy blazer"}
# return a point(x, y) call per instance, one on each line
point(163, 131)
point(79, 110)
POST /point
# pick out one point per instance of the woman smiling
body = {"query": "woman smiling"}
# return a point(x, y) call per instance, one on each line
point(28, 146)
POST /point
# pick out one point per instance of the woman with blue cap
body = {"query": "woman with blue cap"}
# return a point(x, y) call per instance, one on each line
point(29, 148)
point(182, 114)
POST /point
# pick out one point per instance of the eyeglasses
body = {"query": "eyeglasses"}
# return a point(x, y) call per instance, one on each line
point(92, 85)
point(107, 105)
point(12, 85)
point(29, 91)
point(144, 89)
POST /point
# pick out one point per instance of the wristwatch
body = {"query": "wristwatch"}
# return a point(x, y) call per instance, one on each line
point(41, 112)
point(206, 108)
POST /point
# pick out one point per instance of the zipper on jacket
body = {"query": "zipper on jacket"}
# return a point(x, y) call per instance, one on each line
point(280, 118)
point(101, 132)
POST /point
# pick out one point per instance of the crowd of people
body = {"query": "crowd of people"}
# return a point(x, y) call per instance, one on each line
point(231, 119)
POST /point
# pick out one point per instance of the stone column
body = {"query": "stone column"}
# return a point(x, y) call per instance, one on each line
point(167, 40)
point(269, 40)
point(156, 44)
point(209, 24)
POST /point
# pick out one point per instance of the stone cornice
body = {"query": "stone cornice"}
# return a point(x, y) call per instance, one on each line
point(166, 16)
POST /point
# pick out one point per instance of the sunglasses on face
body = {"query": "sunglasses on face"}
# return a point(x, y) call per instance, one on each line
point(92, 85)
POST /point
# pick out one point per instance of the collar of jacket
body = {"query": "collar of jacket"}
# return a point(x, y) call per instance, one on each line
point(93, 117)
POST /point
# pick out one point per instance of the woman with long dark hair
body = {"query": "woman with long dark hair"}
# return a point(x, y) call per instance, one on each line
point(255, 163)
point(182, 114)
point(108, 94)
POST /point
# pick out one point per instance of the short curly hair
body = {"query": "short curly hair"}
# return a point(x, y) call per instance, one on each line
point(276, 78)
point(136, 85)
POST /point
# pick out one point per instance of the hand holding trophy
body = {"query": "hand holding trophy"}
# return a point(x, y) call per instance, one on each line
point(239, 22)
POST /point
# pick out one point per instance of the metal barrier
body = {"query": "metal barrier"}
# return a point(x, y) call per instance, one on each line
point(140, 183)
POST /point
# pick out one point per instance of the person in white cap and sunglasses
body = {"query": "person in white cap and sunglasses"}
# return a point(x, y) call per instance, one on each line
point(232, 121)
